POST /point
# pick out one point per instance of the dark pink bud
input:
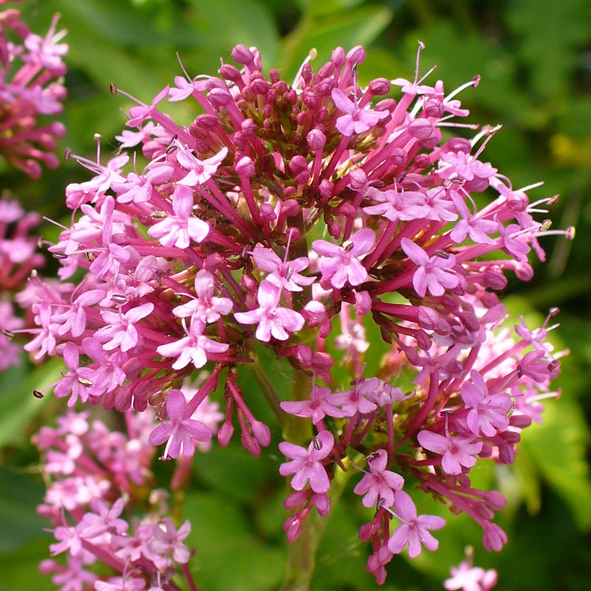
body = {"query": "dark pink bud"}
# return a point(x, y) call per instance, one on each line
point(281, 87)
point(356, 55)
point(433, 108)
point(325, 188)
point(379, 86)
point(248, 94)
point(495, 500)
point(421, 129)
point(322, 504)
point(260, 86)
point(326, 70)
point(303, 354)
point(261, 433)
point(298, 164)
point(242, 55)
point(293, 528)
point(358, 180)
point(225, 434)
point(245, 167)
point(399, 157)
point(219, 97)
point(295, 500)
point(250, 444)
point(338, 57)
point(386, 105)
point(316, 139)
point(274, 76)
point(229, 72)
point(366, 532)
point(423, 340)
point(267, 212)
point(362, 303)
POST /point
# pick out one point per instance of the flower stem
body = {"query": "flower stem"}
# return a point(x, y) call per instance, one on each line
point(301, 554)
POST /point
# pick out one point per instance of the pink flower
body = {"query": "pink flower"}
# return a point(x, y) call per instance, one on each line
point(433, 273)
point(178, 431)
point(306, 465)
point(273, 320)
point(340, 264)
point(199, 171)
point(379, 484)
point(354, 120)
point(193, 348)
point(182, 227)
point(487, 412)
point(321, 403)
point(282, 274)
point(457, 452)
point(205, 307)
point(414, 530)
point(120, 330)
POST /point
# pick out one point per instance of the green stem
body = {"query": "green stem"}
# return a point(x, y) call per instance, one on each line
point(269, 392)
point(301, 554)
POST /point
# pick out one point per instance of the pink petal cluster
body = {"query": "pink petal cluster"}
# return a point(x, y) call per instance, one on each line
point(31, 86)
point(232, 240)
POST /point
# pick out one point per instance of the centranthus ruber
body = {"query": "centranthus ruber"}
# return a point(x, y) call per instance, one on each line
point(294, 218)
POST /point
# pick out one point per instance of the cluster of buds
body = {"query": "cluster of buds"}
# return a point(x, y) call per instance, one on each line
point(100, 482)
point(31, 86)
point(294, 217)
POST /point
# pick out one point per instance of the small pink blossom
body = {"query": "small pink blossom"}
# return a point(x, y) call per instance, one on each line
point(354, 120)
point(414, 529)
point(341, 264)
point(306, 465)
point(379, 484)
point(273, 320)
point(433, 273)
point(178, 431)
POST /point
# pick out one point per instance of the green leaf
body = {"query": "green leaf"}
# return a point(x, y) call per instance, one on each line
point(551, 35)
point(229, 555)
point(357, 27)
point(222, 25)
point(233, 471)
point(19, 497)
point(324, 7)
point(557, 447)
point(20, 569)
point(18, 406)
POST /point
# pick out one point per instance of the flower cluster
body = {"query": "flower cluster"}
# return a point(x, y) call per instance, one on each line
point(18, 259)
point(31, 86)
point(99, 480)
point(293, 217)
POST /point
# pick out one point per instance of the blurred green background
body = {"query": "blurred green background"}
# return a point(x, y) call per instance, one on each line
point(535, 60)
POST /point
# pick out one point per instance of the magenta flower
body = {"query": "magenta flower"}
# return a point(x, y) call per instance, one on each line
point(306, 465)
point(321, 403)
point(379, 484)
point(193, 348)
point(205, 308)
point(179, 431)
point(488, 412)
point(182, 227)
point(121, 331)
point(414, 529)
point(341, 264)
point(354, 120)
point(273, 320)
point(433, 273)
point(457, 452)
point(284, 275)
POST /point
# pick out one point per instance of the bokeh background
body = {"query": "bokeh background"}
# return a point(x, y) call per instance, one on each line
point(535, 60)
